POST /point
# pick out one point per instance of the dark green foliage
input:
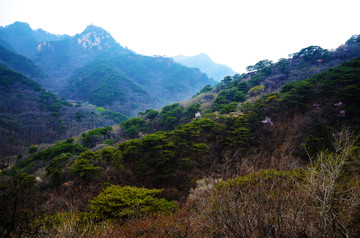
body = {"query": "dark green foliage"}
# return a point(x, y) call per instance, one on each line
point(263, 66)
point(243, 86)
point(226, 80)
point(151, 114)
point(50, 153)
point(133, 122)
point(117, 202)
point(84, 168)
point(284, 66)
point(206, 89)
point(158, 157)
point(98, 84)
point(18, 205)
point(109, 142)
point(312, 53)
point(256, 79)
point(170, 116)
point(342, 83)
point(239, 132)
point(133, 126)
point(192, 109)
point(9, 77)
point(226, 109)
point(90, 138)
point(55, 169)
point(131, 132)
point(101, 84)
point(33, 149)
point(115, 116)
point(300, 94)
point(224, 102)
point(264, 106)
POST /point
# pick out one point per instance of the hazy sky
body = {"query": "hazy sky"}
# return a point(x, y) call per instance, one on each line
point(232, 32)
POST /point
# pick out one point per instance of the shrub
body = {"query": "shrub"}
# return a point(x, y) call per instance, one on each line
point(90, 138)
point(33, 148)
point(83, 166)
point(119, 202)
point(55, 169)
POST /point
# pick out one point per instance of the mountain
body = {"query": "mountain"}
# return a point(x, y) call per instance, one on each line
point(261, 153)
point(206, 65)
point(19, 63)
point(100, 84)
point(31, 115)
point(60, 58)
point(73, 64)
point(23, 39)
point(256, 154)
point(132, 83)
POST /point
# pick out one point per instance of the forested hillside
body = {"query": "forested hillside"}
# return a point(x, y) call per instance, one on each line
point(19, 63)
point(273, 152)
point(133, 83)
point(32, 115)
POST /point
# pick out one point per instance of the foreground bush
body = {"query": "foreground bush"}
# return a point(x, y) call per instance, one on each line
point(320, 201)
point(125, 202)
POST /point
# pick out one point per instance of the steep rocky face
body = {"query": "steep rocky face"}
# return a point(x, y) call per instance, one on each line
point(60, 58)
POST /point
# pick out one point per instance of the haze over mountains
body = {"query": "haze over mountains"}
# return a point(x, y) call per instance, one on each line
point(59, 57)
point(206, 65)
point(90, 67)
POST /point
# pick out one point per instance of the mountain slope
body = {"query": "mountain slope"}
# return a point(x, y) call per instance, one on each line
point(60, 58)
point(100, 84)
point(269, 133)
point(206, 65)
point(131, 83)
point(161, 77)
point(23, 39)
point(19, 63)
point(31, 115)
point(242, 169)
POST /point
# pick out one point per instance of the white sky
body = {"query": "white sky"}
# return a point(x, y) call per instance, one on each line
point(232, 32)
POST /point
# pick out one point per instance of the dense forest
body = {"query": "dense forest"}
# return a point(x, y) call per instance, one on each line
point(273, 152)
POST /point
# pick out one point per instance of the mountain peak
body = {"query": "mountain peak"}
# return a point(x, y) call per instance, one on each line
point(206, 65)
point(22, 27)
point(203, 56)
point(94, 36)
point(93, 28)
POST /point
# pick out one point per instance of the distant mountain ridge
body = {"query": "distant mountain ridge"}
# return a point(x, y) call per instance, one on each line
point(24, 40)
point(61, 58)
point(206, 65)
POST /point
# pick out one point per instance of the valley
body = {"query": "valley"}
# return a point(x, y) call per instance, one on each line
point(99, 141)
